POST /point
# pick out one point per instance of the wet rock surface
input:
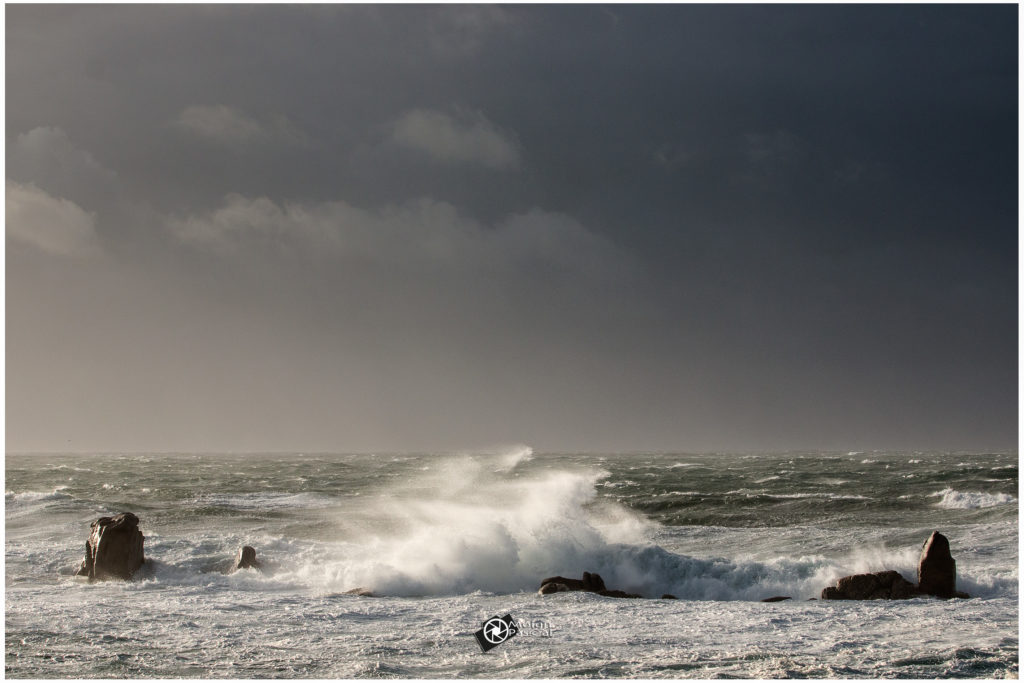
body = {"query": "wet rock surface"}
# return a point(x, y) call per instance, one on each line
point(114, 549)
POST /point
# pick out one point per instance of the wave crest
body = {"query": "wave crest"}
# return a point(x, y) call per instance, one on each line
point(971, 500)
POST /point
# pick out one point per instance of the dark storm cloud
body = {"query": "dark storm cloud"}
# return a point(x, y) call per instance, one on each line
point(363, 227)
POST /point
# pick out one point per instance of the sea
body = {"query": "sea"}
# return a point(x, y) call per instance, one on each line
point(446, 542)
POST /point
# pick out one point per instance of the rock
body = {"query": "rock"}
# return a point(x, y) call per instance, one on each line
point(669, 596)
point(114, 549)
point(363, 592)
point(618, 594)
point(247, 558)
point(936, 573)
point(777, 598)
point(592, 583)
point(887, 585)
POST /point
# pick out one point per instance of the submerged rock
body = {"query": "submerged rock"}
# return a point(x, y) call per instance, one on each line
point(669, 596)
point(247, 559)
point(114, 549)
point(887, 585)
point(362, 592)
point(777, 598)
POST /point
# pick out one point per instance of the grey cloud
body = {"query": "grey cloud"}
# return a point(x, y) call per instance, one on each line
point(462, 30)
point(51, 224)
point(419, 236)
point(46, 157)
point(684, 226)
point(469, 137)
point(228, 125)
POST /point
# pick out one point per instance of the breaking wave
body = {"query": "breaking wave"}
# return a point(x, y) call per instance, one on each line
point(970, 500)
point(35, 496)
point(482, 523)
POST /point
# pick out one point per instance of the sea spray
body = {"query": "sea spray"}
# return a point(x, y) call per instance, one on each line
point(474, 522)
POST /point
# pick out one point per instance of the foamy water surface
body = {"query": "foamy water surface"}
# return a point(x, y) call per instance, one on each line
point(448, 541)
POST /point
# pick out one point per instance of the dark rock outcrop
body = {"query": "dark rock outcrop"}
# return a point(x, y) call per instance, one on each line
point(777, 598)
point(669, 596)
point(114, 549)
point(247, 558)
point(362, 592)
point(553, 587)
point(936, 573)
point(936, 576)
point(618, 594)
point(592, 583)
point(888, 585)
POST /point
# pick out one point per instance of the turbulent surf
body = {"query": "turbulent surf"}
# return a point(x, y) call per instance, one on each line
point(448, 541)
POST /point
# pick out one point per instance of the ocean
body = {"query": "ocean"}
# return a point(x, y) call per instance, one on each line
point(447, 541)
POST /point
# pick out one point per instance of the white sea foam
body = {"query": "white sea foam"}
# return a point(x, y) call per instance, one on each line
point(264, 501)
point(822, 494)
point(969, 500)
point(35, 496)
point(470, 534)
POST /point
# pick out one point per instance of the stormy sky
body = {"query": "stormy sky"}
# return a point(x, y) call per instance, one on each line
point(362, 228)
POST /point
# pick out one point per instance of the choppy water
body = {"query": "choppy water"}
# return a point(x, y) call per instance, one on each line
point(452, 540)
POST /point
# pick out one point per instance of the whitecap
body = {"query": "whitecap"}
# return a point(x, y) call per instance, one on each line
point(35, 496)
point(971, 500)
point(264, 501)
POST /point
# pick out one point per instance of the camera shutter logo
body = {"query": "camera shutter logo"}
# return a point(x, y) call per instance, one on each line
point(496, 631)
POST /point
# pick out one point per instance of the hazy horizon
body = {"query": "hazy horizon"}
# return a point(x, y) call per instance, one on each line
point(583, 228)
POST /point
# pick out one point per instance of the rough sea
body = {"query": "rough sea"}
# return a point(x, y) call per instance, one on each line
point(449, 541)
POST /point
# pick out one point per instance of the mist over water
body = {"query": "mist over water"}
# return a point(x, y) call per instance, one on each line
point(483, 528)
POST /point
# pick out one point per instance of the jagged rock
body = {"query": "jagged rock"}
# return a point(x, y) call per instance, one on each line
point(669, 596)
point(114, 549)
point(888, 585)
point(777, 598)
point(936, 573)
point(363, 592)
point(247, 558)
